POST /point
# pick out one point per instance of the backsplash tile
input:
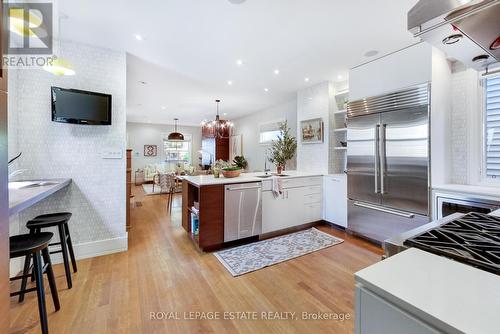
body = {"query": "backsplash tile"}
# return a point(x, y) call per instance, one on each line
point(56, 150)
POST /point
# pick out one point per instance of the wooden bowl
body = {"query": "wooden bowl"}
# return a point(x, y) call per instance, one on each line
point(228, 174)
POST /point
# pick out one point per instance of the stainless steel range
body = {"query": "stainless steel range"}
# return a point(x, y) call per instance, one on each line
point(473, 239)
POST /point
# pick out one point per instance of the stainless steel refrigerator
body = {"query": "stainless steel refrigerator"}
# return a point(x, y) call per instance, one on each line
point(388, 163)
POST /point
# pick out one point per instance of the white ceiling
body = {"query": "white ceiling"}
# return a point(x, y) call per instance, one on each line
point(190, 47)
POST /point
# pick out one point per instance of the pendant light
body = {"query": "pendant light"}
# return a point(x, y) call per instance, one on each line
point(219, 128)
point(175, 136)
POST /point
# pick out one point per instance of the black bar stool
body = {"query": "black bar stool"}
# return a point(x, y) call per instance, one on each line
point(36, 246)
point(60, 220)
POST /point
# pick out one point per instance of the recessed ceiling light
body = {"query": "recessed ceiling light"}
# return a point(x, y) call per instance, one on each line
point(371, 53)
point(276, 71)
point(138, 37)
point(229, 82)
point(239, 62)
point(306, 79)
point(339, 77)
point(236, 2)
point(266, 90)
point(163, 107)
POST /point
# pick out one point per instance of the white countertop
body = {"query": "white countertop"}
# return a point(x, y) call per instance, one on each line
point(447, 294)
point(205, 180)
point(468, 189)
point(27, 193)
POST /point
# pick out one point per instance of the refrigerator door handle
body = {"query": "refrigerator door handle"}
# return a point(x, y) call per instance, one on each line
point(377, 156)
point(382, 158)
point(385, 210)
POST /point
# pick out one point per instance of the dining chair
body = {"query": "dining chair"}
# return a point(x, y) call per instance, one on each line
point(167, 185)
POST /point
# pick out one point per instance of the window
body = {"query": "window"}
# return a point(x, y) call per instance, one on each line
point(269, 132)
point(178, 152)
point(492, 127)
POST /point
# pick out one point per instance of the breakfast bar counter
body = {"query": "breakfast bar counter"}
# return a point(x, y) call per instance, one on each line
point(24, 194)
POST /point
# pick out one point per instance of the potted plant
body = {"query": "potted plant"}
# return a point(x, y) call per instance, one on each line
point(219, 165)
point(282, 149)
point(230, 172)
point(240, 161)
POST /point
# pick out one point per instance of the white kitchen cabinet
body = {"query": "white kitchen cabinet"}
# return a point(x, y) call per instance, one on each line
point(300, 203)
point(374, 315)
point(280, 212)
point(335, 199)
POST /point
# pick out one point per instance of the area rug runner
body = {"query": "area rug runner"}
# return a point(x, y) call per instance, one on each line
point(247, 258)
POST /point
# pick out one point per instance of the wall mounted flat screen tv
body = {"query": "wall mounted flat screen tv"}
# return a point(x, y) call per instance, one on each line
point(80, 107)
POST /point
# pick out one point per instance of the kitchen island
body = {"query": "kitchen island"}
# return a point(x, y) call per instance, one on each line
point(299, 204)
point(415, 291)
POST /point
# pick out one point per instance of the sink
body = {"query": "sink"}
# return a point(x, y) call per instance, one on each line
point(267, 176)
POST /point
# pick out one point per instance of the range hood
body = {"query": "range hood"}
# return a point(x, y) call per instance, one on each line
point(466, 30)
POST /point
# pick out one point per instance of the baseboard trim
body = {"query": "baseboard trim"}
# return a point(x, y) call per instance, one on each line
point(95, 248)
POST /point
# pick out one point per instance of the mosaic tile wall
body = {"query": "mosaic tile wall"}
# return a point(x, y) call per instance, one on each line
point(55, 150)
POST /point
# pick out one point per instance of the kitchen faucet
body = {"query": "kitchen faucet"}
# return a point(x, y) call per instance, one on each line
point(266, 170)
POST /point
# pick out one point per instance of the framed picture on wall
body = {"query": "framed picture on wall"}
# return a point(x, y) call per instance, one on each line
point(150, 150)
point(311, 131)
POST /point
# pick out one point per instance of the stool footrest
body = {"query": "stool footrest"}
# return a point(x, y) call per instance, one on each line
point(57, 251)
point(17, 293)
point(19, 277)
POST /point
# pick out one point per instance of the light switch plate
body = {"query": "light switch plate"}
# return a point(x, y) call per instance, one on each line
point(112, 153)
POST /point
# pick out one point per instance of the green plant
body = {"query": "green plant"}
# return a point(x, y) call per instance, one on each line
point(221, 164)
point(230, 169)
point(240, 161)
point(283, 148)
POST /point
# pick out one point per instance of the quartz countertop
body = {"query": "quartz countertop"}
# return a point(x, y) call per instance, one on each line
point(468, 189)
point(451, 296)
point(205, 180)
point(24, 194)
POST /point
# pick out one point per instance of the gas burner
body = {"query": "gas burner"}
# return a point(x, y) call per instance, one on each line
point(473, 239)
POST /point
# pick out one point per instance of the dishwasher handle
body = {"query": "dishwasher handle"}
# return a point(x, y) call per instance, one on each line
point(242, 188)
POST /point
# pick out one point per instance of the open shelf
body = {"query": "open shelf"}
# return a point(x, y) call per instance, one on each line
point(340, 148)
point(343, 111)
point(340, 130)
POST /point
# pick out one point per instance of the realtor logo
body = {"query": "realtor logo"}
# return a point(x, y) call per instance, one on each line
point(29, 28)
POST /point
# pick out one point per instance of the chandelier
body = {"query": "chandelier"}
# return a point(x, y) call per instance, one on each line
point(218, 128)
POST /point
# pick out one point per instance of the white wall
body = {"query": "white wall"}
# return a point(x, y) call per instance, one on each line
point(248, 127)
point(440, 126)
point(467, 127)
point(140, 134)
point(404, 68)
point(314, 102)
point(55, 150)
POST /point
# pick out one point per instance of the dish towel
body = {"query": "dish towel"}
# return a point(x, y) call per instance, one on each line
point(277, 186)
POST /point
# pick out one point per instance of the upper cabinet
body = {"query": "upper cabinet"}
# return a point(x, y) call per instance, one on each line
point(404, 68)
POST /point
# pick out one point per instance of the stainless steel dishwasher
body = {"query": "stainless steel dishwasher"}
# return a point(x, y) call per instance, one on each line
point(242, 210)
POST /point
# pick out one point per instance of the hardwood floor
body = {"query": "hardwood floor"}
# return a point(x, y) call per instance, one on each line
point(162, 272)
